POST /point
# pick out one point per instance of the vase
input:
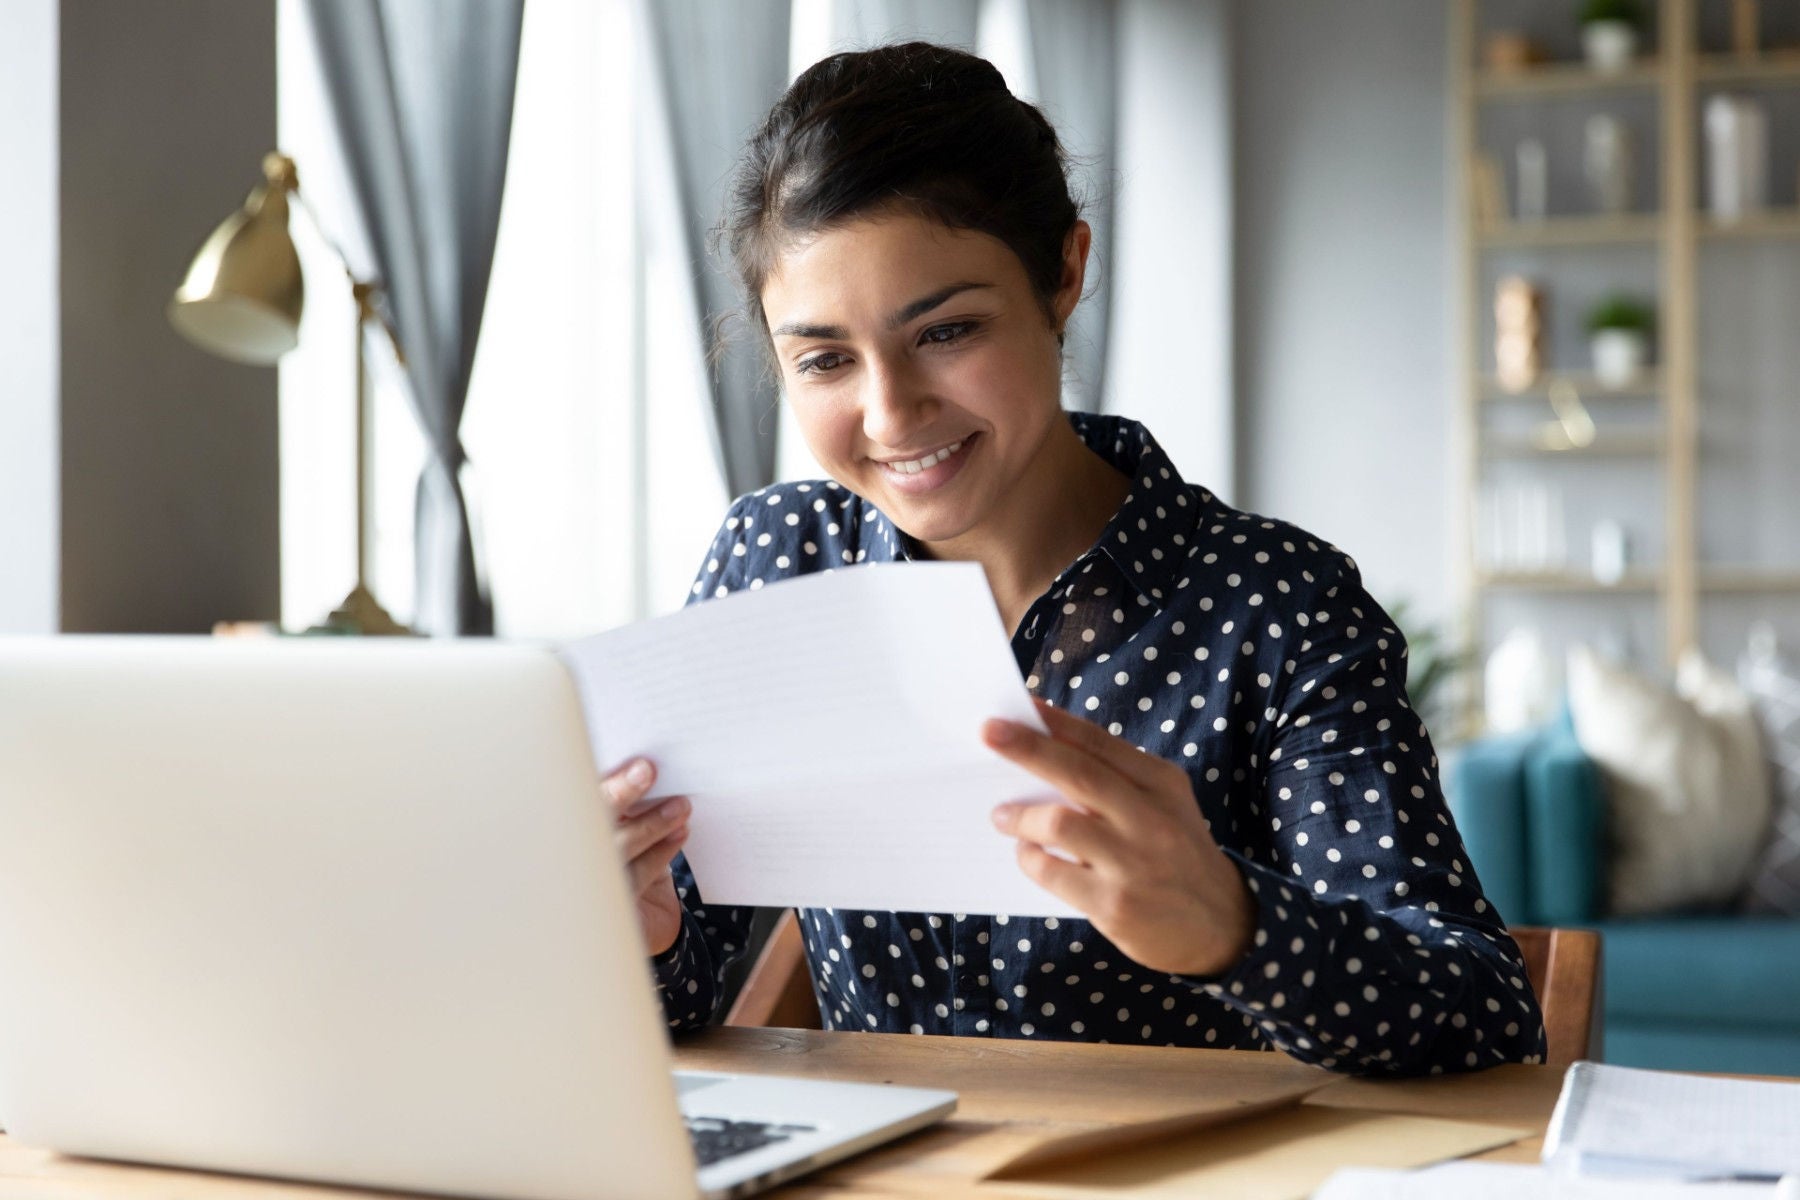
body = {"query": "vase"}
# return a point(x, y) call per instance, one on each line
point(1619, 356)
point(1609, 45)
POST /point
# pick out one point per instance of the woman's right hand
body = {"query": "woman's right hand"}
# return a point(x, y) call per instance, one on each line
point(648, 836)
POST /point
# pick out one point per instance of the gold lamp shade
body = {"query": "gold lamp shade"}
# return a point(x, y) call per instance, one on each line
point(243, 294)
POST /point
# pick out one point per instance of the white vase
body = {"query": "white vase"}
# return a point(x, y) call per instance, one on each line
point(1619, 356)
point(1609, 45)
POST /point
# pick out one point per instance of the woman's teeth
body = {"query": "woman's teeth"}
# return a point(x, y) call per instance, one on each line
point(915, 465)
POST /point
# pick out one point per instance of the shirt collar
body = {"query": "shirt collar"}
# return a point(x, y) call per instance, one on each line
point(1149, 536)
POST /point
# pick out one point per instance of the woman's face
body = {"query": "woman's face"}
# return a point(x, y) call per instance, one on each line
point(922, 371)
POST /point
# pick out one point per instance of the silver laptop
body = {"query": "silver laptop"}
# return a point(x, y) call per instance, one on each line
point(351, 912)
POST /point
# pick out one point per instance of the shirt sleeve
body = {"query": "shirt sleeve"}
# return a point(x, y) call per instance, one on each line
point(1375, 950)
point(690, 973)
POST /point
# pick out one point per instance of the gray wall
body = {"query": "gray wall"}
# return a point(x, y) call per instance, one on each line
point(28, 321)
point(165, 514)
point(1346, 332)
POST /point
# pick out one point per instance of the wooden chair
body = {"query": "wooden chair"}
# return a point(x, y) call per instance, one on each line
point(778, 991)
point(1563, 966)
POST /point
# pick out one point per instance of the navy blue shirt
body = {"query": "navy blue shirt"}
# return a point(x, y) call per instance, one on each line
point(1248, 652)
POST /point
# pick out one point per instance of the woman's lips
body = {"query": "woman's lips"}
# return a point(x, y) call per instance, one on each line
point(942, 469)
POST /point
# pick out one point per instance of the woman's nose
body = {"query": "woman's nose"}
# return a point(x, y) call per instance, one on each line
point(896, 402)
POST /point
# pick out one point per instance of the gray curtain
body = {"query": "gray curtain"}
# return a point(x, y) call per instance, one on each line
point(422, 93)
point(1074, 47)
point(716, 69)
point(873, 22)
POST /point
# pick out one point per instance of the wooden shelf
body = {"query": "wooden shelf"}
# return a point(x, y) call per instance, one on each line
point(1639, 581)
point(1763, 68)
point(1644, 228)
point(1562, 79)
point(1772, 223)
point(1749, 580)
point(1632, 444)
point(1587, 385)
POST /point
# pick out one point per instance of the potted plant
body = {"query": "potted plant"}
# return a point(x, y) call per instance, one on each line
point(1619, 335)
point(1609, 33)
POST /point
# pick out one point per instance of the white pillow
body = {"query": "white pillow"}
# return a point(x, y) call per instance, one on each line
point(1686, 782)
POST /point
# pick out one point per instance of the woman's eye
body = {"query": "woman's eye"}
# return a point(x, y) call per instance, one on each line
point(947, 333)
point(819, 363)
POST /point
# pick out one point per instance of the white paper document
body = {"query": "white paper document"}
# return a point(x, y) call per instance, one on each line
point(1507, 1181)
point(828, 732)
point(1626, 1121)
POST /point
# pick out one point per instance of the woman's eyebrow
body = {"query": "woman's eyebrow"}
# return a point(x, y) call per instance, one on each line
point(908, 312)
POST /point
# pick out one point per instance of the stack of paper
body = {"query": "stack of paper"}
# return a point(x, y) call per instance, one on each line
point(1504, 1181)
point(1625, 1121)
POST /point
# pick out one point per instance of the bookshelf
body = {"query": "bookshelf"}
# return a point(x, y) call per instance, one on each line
point(1651, 435)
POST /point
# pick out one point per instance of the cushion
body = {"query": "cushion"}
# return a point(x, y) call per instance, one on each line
point(1686, 786)
point(1774, 687)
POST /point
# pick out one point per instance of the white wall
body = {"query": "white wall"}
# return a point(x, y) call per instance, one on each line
point(1344, 282)
point(28, 323)
point(1169, 361)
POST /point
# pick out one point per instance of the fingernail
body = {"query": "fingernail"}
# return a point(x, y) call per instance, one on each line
point(1005, 817)
point(676, 807)
point(638, 774)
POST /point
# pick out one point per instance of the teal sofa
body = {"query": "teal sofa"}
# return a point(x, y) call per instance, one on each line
point(1691, 991)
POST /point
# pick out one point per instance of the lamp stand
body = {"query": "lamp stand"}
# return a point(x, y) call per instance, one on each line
point(360, 613)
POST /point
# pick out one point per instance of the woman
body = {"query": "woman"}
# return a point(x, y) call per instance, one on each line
point(1258, 841)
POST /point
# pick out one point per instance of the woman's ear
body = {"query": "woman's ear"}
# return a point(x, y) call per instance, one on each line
point(1074, 271)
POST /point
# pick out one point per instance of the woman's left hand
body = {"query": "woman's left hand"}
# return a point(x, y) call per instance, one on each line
point(1133, 854)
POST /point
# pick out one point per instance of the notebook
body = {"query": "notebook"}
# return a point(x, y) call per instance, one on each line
point(1628, 1121)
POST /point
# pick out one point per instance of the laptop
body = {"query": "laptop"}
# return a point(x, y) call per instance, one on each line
point(350, 912)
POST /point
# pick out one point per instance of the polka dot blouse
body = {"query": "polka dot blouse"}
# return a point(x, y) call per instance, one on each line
point(1248, 652)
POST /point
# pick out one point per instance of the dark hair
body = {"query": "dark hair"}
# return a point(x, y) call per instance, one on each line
point(916, 127)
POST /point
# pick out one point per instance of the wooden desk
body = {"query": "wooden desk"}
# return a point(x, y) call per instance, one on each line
point(1010, 1091)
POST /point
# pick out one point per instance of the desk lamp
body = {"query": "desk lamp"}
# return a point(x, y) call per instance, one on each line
point(242, 300)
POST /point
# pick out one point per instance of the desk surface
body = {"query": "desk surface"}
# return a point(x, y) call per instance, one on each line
point(1011, 1092)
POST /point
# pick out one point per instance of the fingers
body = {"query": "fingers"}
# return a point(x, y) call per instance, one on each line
point(637, 835)
point(1117, 753)
point(652, 867)
point(1075, 772)
point(1065, 880)
point(627, 788)
point(1072, 832)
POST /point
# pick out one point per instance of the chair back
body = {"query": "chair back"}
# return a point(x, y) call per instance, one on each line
point(778, 991)
point(1563, 966)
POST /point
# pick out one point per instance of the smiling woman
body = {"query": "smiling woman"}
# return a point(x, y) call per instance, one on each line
point(1256, 834)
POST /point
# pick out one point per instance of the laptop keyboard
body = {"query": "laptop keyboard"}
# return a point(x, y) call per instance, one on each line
point(716, 1138)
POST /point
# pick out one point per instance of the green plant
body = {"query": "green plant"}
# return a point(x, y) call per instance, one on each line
point(1620, 311)
point(1628, 11)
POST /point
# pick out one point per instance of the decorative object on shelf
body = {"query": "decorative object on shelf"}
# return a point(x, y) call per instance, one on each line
point(1518, 333)
point(1619, 330)
point(1532, 178)
point(1521, 686)
point(1611, 551)
point(1522, 528)
point(242, 299)
point(1572, 428)
point(1609, 33)
point(1745, 21)
point(1607, 163)
point(1508, 52)
point(1737, 157)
